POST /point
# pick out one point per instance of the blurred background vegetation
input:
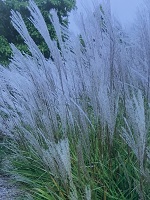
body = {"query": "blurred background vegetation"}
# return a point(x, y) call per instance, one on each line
point(9, 35)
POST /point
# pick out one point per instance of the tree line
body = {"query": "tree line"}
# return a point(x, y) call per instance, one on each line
point(9, 35)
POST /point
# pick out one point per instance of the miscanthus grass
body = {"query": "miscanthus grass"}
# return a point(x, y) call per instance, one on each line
point(76, 125)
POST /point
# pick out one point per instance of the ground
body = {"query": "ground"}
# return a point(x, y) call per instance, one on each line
point(7, 190)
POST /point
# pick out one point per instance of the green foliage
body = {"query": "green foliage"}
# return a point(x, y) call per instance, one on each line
point(5, 50)
point(111, 176)
point(9, 35)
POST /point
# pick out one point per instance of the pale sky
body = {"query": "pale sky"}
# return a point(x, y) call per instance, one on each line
point(123, 10)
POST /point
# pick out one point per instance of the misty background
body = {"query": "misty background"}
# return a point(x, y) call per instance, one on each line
point(124, 11)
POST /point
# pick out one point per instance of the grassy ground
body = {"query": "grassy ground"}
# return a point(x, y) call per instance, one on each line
point(107, 172)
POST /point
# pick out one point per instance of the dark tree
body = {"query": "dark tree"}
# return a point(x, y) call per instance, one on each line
point(9, 35)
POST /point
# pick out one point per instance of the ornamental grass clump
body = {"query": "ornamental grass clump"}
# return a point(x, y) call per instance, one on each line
point(76, 125)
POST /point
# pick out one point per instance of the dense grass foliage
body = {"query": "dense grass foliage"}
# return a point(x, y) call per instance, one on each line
point(77, 124)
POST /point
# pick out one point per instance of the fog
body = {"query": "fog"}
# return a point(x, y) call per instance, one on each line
point(124, 11)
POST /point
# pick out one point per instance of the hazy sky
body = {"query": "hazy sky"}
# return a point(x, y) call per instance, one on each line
point(125, 10)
